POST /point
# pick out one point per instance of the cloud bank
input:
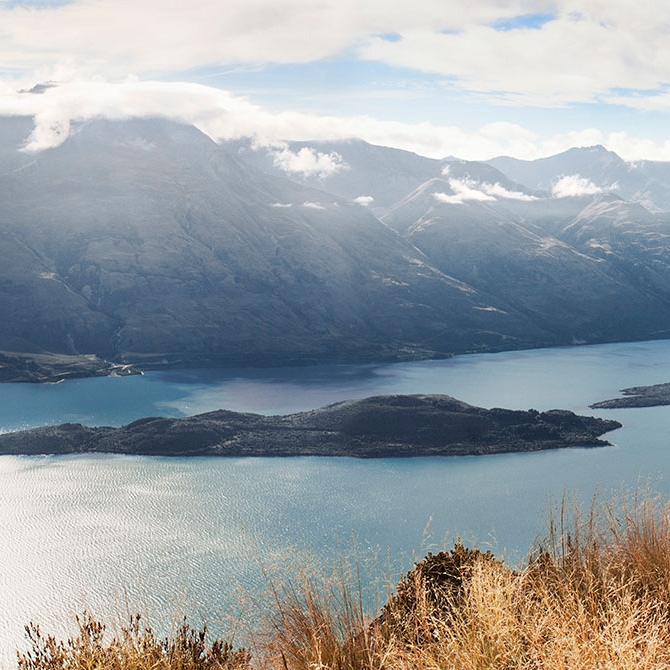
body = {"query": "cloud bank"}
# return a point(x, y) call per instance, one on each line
point(224, 116)
point(470, 189)
point(121, 58)
point(463, 190)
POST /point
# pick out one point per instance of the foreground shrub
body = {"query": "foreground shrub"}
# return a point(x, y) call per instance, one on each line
point(594, 594)
point(136, 648)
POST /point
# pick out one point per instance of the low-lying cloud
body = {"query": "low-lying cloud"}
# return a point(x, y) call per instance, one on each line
point(462, 190)
point(308, 162)
point(470, 189)
point(574, 185)
point(499, 191)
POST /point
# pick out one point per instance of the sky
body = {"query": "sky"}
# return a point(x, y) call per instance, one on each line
point(467, 78)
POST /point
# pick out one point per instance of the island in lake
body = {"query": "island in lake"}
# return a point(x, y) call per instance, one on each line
point(638, 396)
point(376, 427)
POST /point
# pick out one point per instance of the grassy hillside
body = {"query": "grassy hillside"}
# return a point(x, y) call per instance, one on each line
point(595, 593)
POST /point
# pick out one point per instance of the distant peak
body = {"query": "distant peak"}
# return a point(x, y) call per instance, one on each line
point(39, 88)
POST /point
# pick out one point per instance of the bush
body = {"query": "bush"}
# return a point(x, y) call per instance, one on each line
point(137, 648)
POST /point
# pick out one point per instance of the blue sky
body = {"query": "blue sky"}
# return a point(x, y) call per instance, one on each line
point(440, 77)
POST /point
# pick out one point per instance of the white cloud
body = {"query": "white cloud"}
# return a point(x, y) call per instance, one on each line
point(313, 205)
point(308, 162)
point(636, 148)
point(499, 191)
point(616, 45)
point(223, 115)
point(470, 189)
point(463, 189)
point(574, 185)
point(582, 50)
point(118, 36)
point(282, 205)
point(365, 200)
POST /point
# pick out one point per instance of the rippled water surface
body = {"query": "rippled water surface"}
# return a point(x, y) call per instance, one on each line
point(185, 535)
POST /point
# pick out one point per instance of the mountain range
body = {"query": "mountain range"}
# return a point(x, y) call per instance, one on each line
point(144, 241)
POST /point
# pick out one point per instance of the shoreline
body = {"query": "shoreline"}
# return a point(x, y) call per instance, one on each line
point(17, 368)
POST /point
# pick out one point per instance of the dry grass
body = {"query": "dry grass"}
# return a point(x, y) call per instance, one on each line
point(595, 593)
point(136, 648)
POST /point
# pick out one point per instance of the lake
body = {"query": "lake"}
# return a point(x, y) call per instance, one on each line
point(171, 536)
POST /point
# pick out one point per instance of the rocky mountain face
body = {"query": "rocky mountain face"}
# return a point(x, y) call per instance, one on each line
point(370, 175)
point(144, 241)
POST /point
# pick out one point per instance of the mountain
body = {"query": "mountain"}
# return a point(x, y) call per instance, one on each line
point(352, 169)
point(628, 238)
point(371, 175)
point(14, 132)
point(144, 240)
point(507, 246)
point(644, 182)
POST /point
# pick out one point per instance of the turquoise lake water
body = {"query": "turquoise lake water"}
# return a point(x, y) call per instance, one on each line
point(184, 535)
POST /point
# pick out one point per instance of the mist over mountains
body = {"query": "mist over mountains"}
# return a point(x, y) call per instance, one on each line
point(145, 241)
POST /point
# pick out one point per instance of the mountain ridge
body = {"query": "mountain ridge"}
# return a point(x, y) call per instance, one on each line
point(144, 242)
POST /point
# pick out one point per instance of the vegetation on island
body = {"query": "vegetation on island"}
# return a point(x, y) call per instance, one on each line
point(594, 593)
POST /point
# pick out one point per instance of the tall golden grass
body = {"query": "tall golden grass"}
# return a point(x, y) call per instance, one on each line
point(594, 593)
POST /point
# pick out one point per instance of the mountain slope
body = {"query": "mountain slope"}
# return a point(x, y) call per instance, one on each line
point(352, 169)
point(501, 247)
point(143, 241)
point(629, 238)
point(167, 246)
